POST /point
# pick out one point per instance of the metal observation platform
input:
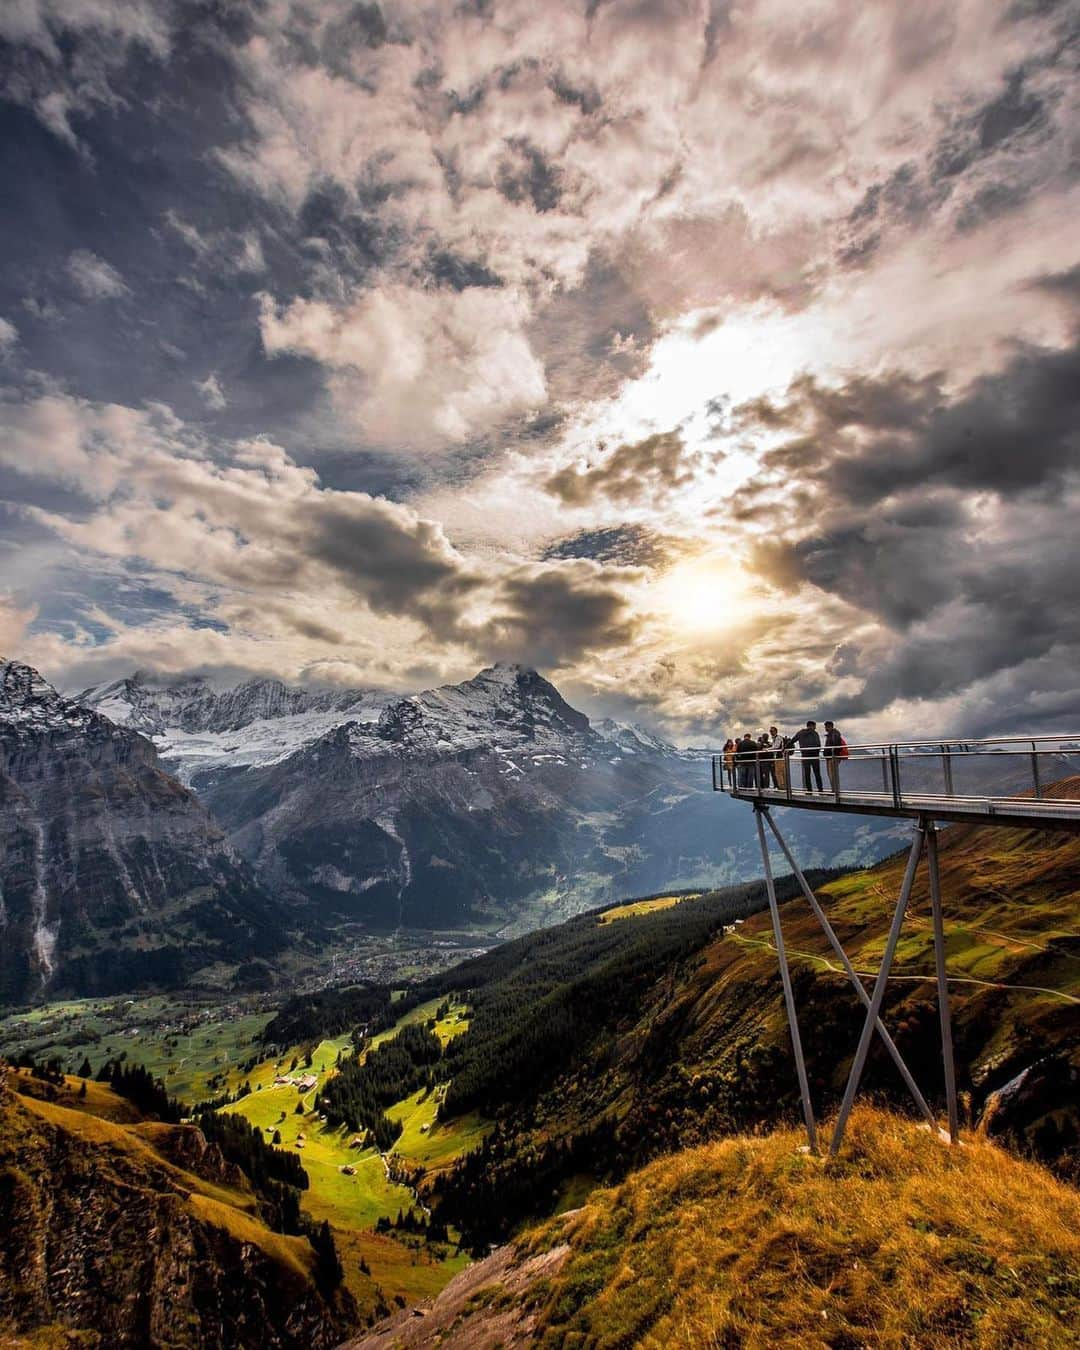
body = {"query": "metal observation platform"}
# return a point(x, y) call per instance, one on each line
point(1030, 781)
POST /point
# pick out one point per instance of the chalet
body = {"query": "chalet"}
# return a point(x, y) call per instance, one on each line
point(357, 1141)
point(306, 1083)
point(348, 1170)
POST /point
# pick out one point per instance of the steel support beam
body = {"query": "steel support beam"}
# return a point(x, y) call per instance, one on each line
point(785, 977)
point(878, 997)
point(860, 988)
point(942, 982)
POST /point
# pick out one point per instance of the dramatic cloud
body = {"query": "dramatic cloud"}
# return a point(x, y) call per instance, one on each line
point(722, 359)
point(284, 554)
point(627, 474)
point(417, 367)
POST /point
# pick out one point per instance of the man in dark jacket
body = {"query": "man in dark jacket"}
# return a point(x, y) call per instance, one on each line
point(833, 743)
point(809, 743)
point(746, 761)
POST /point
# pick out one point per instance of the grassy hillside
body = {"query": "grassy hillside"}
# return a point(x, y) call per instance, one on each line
point(170, 1245)
point(748, 1242)
point(698, 1047)
point(377, 1266)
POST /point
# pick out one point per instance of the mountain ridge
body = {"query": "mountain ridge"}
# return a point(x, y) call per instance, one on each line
point(492, 802)
point(111, 873)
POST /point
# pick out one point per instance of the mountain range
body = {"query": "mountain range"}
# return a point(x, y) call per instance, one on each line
point(488, 804)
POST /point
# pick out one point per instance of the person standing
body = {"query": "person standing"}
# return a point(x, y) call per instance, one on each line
point(778, 744)
point(729, 761)
point(766, 764)
point(746, 753)
point(809, 743)
point(834, 743)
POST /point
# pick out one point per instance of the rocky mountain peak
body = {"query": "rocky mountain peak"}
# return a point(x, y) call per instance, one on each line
point(502, 704)
point(29, 703)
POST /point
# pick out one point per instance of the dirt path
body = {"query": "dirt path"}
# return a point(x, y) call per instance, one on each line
point(893, 975)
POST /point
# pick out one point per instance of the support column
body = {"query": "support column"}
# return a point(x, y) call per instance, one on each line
point(944, 1013)
point(878, 996)
point(860, 988)
point(785, 977)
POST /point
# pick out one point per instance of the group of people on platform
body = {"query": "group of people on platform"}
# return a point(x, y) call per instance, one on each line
point(764, 761)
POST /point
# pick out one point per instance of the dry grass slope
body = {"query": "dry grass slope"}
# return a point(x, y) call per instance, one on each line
point(750, 1243)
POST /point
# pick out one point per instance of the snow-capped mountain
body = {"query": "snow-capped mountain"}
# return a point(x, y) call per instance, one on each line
point(199, 729)
point(112, 875)
point(492, 802)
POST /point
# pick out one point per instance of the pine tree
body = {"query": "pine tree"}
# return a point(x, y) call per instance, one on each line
point(328, 1268)
point(85, 1071)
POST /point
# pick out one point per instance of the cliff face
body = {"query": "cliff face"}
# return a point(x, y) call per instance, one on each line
point(101, 1232)
point(112, 875)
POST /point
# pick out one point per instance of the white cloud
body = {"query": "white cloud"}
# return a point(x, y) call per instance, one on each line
point(415, 368)
point(212, 393)
point(94, 278)
point(9, 335)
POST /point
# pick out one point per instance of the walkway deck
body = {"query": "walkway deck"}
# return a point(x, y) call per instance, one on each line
point(1020, 781)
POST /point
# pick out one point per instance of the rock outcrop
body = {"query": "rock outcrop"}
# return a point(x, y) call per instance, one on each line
point(101, 1235)
point(112, 875)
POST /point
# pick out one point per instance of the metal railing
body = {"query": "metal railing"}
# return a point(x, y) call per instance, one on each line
point(907, 775)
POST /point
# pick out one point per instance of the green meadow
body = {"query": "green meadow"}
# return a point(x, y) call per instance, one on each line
point(202, 1051)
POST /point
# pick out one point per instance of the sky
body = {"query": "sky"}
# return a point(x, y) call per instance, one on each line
point(720, 360)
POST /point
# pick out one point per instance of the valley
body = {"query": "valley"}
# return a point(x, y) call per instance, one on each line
point(474, 1015)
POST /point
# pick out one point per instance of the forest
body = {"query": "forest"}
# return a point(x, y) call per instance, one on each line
point(365, 1085)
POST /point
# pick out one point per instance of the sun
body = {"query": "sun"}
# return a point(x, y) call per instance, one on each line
point(702, 595)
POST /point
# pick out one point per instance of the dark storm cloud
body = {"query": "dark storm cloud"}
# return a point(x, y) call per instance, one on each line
point(459, 273)
point(397, 566)
point(626, 545)
point(1015, 611)
point(1017, 430)
point(552, 615)
point(526, 174)
point(1063, 285)
point(593, 336)
point(956, 531)
point(985, 163)
point(639, 472)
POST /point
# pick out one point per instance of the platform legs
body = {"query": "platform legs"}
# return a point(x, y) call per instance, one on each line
point(942, 982)
point(785, 977)
point(878, 996)
point(841, 955)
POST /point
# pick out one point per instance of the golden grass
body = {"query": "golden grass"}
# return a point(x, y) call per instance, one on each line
point(747, 1242)
point(294, 1254)
point(640, 907)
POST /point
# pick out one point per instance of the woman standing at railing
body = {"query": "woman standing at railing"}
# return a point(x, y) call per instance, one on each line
point(729, 761)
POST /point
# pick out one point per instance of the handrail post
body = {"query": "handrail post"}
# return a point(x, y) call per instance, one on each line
point(1035, 770)
point(946, 764)
point(894, 773)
